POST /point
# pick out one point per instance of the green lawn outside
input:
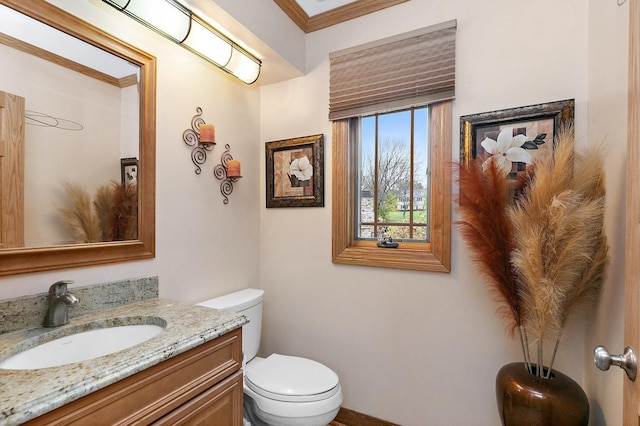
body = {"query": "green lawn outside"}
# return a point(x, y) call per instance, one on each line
point(419, 216)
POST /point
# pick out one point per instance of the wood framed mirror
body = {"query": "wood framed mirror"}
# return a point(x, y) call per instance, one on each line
point(23, 255)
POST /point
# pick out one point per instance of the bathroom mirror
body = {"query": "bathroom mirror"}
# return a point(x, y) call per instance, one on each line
point(109, 133)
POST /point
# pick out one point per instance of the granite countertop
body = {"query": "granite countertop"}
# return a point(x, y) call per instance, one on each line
point(27, 394)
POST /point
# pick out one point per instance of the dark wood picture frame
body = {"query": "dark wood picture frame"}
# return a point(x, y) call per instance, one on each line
point(295, 172)
point(549, 117)
point(129, 170)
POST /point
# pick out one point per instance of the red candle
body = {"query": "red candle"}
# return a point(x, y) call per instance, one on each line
point(207, 133)
point(233, 168)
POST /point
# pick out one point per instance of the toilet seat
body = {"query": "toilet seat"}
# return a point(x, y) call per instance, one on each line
point(291, 379)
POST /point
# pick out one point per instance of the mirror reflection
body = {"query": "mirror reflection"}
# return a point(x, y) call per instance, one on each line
point(74, 132)
point(77, 114)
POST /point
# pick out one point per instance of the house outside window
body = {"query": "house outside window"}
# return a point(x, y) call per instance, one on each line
point(393, 151)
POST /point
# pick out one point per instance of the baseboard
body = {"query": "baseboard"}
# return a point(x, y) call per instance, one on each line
point(353, 418)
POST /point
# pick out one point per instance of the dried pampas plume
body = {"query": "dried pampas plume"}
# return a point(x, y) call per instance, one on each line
point(544, 251)
point(124, 212)
point(80, 218)
point(560, 246)
point(102, 205)
point(112, 216)
point(486, 228)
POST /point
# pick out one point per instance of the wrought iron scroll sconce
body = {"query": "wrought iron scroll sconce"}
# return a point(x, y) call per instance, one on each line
point(221, 172)
point(194, 137)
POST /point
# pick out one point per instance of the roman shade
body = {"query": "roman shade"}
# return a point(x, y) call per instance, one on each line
point(411, 69)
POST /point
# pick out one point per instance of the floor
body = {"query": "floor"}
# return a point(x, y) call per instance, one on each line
point(348, 417)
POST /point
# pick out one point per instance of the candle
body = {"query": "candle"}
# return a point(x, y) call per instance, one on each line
point(233, 168)
point(207, 133)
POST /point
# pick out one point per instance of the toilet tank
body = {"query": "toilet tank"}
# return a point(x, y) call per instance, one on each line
point(247, 302)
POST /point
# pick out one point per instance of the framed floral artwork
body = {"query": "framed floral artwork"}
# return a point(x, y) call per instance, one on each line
point(295, 172)
point(129, 171)
point(515, 136)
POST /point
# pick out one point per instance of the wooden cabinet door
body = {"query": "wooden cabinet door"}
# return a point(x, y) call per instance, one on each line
point(219, 406)
point(11, 170)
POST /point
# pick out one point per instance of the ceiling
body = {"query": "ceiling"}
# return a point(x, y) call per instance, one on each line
point(312, 15)
point(315, 7)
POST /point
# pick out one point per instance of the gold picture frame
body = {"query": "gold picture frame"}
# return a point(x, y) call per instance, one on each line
point(540, 122)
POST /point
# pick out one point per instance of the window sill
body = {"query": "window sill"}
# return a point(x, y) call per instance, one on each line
point(418, 258)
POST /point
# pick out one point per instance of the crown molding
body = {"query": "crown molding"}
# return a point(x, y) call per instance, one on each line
point(335, 16)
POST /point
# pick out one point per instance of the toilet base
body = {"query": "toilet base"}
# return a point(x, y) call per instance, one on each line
point(264, 419)
point(248, 415)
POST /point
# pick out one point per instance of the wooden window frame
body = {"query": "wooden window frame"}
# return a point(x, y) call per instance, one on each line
point(434, 256)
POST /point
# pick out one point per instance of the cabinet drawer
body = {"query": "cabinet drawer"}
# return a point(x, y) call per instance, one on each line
point(218, 406)
point(150, 394)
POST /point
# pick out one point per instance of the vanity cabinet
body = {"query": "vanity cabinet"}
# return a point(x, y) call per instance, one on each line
point(200, 386)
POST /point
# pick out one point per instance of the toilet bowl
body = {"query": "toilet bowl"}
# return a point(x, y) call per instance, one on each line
point(279, 390)
point(291, 391)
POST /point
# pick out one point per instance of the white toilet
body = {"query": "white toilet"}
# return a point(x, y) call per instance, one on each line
point(279, 390)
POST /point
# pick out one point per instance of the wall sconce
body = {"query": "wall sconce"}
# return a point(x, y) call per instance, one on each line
point(180, 25)
point(202, 137)
point(228, 171)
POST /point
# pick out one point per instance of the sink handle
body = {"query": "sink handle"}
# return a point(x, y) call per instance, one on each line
point(59, 301)
point(59, 288)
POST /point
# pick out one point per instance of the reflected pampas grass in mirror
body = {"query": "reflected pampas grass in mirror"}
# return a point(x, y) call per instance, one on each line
point(102, 205)
point(112, 216)
point(124, 212)
point(555, 248)
point(79, 217)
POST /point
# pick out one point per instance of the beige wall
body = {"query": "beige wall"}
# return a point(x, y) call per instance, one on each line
point(410, 347)
point(423, 348)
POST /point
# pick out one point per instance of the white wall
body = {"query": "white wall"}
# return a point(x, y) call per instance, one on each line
point(203, 247)
point(423, 348)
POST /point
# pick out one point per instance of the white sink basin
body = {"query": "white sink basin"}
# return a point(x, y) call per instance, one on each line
point(81, 346)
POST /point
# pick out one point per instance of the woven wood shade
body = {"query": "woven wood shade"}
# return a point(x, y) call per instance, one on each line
point(411, 69)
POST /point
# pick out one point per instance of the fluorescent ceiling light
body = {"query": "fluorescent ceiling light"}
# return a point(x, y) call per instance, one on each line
point(180, 25)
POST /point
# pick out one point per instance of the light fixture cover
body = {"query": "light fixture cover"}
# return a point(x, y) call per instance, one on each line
point(208, 43)
point(243, 66)
point(180, 25)
point(166, 17)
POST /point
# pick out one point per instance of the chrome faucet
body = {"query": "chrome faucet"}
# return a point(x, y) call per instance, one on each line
point(59, 301)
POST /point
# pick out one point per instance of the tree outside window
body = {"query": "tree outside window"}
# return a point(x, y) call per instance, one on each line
point(394, 177)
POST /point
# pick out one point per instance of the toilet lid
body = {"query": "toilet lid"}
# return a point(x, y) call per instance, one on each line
point(289, 378)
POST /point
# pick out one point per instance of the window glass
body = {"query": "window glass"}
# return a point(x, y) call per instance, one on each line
point(393, 176)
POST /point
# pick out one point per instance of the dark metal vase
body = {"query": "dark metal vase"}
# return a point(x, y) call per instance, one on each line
point(524, 399)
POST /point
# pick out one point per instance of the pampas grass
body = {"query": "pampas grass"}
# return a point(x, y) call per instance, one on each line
point(114, 216)
point(486, 227)
point(124, 212)
point(557, 248)
point(102, 206)
point(80, 218)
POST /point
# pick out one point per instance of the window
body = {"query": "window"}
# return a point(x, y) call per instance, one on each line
point(390, 102)
point(352, 245)
point(393, 179)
